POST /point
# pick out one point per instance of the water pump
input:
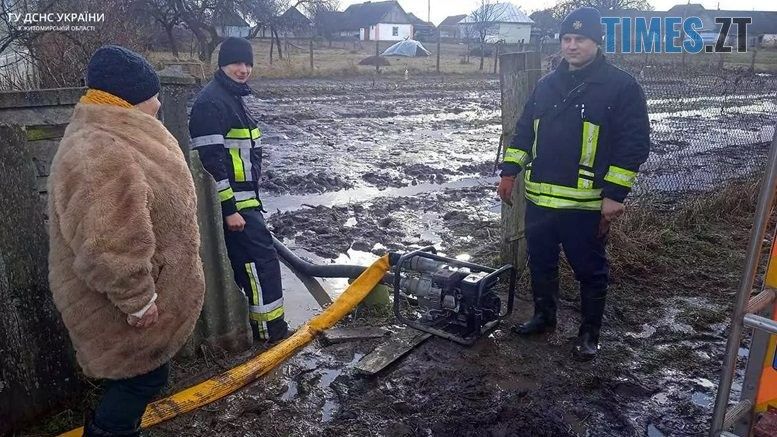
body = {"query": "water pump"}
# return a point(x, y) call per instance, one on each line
point(449, 298)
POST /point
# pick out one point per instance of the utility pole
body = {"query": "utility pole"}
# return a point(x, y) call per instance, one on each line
point(429, 14)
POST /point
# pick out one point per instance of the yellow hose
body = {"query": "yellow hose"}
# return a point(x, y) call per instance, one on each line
point(236, 378)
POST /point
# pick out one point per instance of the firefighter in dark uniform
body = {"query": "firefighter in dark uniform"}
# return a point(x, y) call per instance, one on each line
point(229, 144)
point(579, 142)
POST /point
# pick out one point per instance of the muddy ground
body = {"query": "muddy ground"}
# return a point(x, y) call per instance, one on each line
point(413, 164)
point(354, 169)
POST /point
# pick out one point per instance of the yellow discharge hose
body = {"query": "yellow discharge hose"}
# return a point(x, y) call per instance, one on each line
point(236, 378)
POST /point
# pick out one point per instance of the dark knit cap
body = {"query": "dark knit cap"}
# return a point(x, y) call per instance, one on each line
point(123, 73)
point(583, 21)
point(234, 50)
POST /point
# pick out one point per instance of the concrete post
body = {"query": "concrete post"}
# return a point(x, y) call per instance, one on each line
point(224, 319)
point(519, 73)
point(37, 370)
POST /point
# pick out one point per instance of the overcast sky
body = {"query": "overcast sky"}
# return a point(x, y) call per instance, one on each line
point(444, 8)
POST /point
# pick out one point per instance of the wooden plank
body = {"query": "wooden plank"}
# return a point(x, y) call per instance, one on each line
point(391, 351)
point(342, 335)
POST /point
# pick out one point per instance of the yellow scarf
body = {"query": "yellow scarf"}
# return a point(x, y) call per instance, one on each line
point(98, 97)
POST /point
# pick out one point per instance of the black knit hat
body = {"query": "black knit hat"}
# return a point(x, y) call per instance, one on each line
point(583, 21)
point(123, 73)
point(235, 50)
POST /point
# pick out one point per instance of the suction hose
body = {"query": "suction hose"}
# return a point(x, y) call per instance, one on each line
point(315, 270)
point(237, 377)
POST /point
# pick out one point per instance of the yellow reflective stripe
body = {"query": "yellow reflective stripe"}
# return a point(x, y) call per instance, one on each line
point(516, 156)
point(268, 316)
point(621, 176)
point(250, 203)
point(244, 134)
point(253, 279)
point(237, 164)
point(544, 189)
point(536, 129)
point(590, 143)
point(226, 194)
point(239, 134)
point(552, 202)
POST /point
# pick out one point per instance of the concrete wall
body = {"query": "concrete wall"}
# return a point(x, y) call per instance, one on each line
point(37, 370)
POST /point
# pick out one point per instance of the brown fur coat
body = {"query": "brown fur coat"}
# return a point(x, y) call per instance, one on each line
point(123, 226)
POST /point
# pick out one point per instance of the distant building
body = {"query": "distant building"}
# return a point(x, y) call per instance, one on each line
point(449, 28)
point(503, 22)
point(294, 24)
point(422, 30)
point(231, 24)
point(381, 21)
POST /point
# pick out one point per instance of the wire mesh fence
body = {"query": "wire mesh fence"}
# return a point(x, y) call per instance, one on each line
point(708, 125)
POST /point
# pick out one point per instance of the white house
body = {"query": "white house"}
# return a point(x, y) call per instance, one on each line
point(374, 21)
point(503, 22)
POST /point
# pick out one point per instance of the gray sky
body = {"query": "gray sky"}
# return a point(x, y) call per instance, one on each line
point(444, 8)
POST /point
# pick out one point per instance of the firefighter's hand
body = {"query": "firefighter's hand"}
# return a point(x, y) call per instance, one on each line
point(149, 318)
point(611, 209)
point(505, 189)
point(235, 222)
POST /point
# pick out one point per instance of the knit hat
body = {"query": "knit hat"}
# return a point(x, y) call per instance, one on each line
point(234, 50)
point(583, 21)
point(123, 73)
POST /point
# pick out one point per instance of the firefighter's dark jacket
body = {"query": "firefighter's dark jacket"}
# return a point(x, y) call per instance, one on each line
point(582, 136)
point(228, 141)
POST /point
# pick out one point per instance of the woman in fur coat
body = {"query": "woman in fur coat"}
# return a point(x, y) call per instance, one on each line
point(124, 260)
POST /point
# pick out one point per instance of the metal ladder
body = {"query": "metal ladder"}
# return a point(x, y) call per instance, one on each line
point(747, 315)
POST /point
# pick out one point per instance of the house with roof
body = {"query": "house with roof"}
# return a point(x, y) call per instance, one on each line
point(422, 30)
point(230, 23)
point(294, 24)
point(371, 21)
point(503, 22)
point(449, 28)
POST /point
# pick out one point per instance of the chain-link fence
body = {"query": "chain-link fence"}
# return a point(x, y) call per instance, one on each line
point(708, 125)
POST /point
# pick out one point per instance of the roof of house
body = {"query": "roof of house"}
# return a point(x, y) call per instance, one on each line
point(417, 21)
point(453, 20)
point(498, 13)
point(293, 16)
point(369, 13)
point(230, 18)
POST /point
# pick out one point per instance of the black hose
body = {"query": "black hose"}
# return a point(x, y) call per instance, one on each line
point(316, 270)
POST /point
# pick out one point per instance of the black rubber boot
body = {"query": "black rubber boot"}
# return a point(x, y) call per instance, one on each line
point(586, 347)
point(92, 430)
point(539, 324)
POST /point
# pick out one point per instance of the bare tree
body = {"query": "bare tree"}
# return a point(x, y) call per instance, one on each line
point(201, 18)
point(165, 13)
point(320, 12)
point(266, 14)
point(564, 7)
point(482, 22)
point(62, 56)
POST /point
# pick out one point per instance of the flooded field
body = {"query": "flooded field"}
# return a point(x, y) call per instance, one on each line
point(356, 168)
